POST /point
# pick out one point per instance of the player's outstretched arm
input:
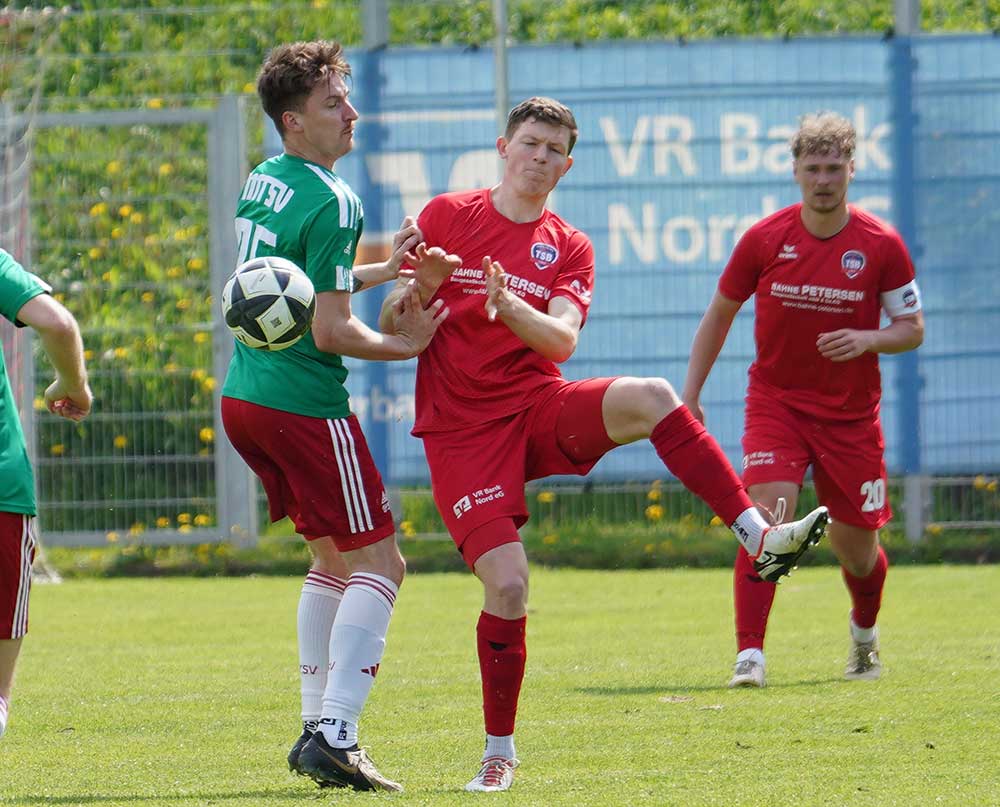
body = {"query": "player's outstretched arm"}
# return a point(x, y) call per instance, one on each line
point(552, 334)
point(708, 341)
point(902, 334)
point(337, 330)
point(69, 396)
point(404, 241)
point(430, 267)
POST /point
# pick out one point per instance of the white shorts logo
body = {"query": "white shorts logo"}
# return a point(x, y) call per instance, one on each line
point(463, 505)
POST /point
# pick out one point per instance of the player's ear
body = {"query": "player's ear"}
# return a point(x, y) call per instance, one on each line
point(502, 146)
point(569, 164)
point(290, 120)
point(850, 170)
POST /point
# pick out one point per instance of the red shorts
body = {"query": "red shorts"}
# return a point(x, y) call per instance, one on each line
point(847, 458)
point(478, 474)
point(17, 551)
point(316, 471)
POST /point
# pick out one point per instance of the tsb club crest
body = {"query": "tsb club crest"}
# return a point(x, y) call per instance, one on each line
point(543, 255)
point(853, 263)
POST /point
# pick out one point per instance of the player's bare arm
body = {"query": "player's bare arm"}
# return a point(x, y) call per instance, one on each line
point(553, 333)
point(708, 341)
point(69, 396)
point(375, 274)
point(902, 334)
point(430, 267)
point(337, 330)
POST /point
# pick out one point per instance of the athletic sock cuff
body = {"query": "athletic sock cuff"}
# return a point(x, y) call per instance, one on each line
point(503, 631)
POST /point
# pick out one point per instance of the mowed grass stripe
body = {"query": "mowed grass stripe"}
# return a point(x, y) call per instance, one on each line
point(185, 692)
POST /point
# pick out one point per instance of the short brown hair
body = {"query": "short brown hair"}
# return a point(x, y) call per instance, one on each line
point(545, 110)
point(824, 133)
point(290, 72)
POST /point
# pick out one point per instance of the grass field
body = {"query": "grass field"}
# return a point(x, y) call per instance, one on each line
point(184, 692)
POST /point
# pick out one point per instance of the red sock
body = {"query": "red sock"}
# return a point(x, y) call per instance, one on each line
point(866, 592)
point(502, 654)
point(692, 455)
point(752, 600)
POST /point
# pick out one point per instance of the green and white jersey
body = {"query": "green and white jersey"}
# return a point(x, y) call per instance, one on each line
point(304, 212)
point(17, 481)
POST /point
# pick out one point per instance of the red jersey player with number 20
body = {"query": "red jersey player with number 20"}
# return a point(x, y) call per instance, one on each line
point(494, 411)
point(822, 272)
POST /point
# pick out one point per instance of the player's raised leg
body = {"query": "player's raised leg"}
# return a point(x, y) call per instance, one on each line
point(637, 408)
point(319, 599)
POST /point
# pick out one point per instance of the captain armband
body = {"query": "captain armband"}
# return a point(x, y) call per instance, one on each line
point(902, 301)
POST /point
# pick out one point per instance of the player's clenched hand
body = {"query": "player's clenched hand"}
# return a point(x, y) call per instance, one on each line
point(843, 345)
point(498, 298)
point(406, 239)
point(431, 267)
point(69, 404)
point(414, 323)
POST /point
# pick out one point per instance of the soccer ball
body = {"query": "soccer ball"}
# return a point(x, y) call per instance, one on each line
point(268, 303)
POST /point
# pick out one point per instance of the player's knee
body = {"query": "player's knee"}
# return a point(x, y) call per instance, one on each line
point(511, 590)
point(655, 400)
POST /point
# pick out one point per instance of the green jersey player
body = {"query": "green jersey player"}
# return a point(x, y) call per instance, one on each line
point(24, 300)
point(287, 413)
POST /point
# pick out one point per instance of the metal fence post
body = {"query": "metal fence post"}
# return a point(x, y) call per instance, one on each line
point(227, 156)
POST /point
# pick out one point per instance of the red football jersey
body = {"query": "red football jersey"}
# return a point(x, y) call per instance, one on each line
point(806, 286)
point(475, 370)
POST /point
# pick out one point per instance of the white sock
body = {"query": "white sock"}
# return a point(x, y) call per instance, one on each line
point(751, 654)
point(499, 747)
point(749, 529)
point(3, 715)
point(318, 603)
point(357, 642)
point(862, 634)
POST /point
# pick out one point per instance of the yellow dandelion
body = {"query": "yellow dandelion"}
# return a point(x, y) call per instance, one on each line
point(201, 520)
point(407, 528)
point(195, 264)
point(113, 167)
point(654, 495)
point(38, 404)
point(137, 529)
point(59, 297)
point(121, 352)
point(112, 537)
point(207, 435)
point(148, 297)
point(201, 337)
point(991, 486)
point(165, 169)
point(180, 235)
point(120, 441)
point(125, 211)
point(170, 367)
point(208, 384)
point(88, 354)
point(654, 512)
point(183, 304)
point(656, 484)
point(649, 549)
point(934, 529)
point(198, 374)
point(155, 103)
point(57, 449)
point(162, 522)
point(174, 271)
point(715, 522)
point(250, 87)
point(95, 253)
point(550, 539)
point(979, 482)
point(183, 518)
point(184, 528)
point(151, 240)
point(546, 496)
point(137, 218)
point(117, 233)
point(98, 209)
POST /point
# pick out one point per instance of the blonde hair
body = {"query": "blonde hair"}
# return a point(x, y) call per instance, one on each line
point(824, 133)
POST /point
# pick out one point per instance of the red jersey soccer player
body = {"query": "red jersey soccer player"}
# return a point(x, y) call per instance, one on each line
point(822, 272)
point(494, 411)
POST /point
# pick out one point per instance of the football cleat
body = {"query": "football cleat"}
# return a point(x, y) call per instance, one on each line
point(784, 544)
point(863, 663)
point(749, 673)
point(293, 755)
point(496, 774)
point(342, 767)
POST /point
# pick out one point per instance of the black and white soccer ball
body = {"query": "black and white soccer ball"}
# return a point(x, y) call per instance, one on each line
point(268, 303)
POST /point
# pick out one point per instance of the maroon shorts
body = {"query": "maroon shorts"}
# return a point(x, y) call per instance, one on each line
point(478, 474)
point(847, 458)
point(316, 471)
point(17, 551)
